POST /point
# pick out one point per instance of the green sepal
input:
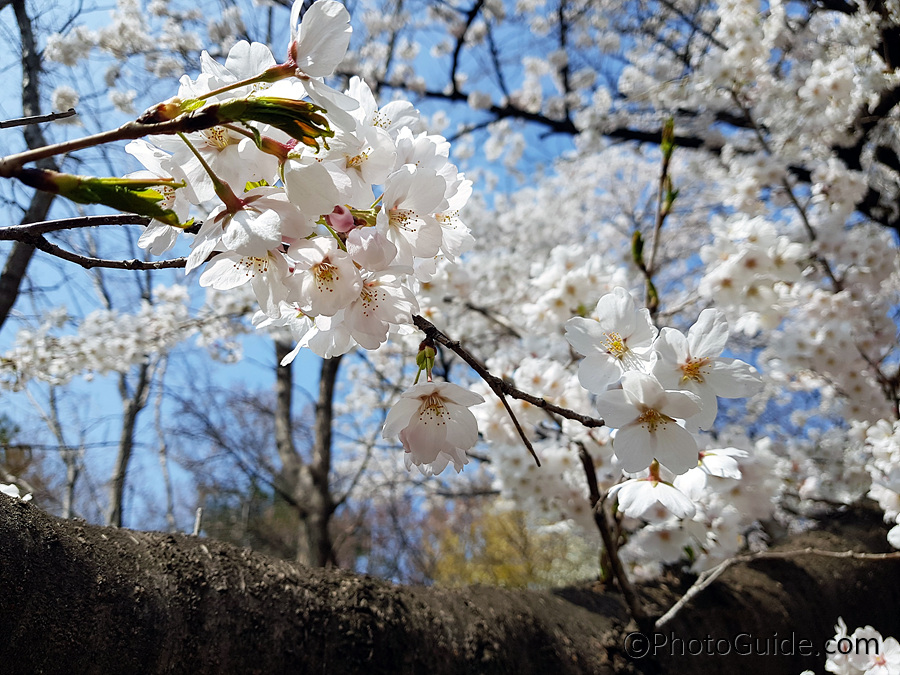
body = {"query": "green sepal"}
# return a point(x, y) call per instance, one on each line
point(129, 195)
point(425, 360)
point(301, 120)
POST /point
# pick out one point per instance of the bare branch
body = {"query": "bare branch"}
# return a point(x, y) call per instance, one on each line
point(503, 385)
point(37, 119)
point(710, 575)
point(88, 262)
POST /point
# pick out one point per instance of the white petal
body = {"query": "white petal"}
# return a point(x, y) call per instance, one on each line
point(675, 502)
point(732, 378)
point(635, 447)
point(399, 416)
point(678, 450)
point(323, 37)
point(615, 409)
point(585, 335)
point(598, 371)
point(636, 497)
point(456, 394)
point(708, 336)
point(680, 404)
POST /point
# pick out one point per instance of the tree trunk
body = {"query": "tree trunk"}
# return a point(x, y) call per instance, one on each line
point(307, 482)
point(319, 550)
point(132, 404)
point(83, 599)
point(17, 262)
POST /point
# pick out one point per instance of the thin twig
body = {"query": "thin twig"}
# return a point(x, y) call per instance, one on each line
point(710, 575)
point(89, 263)
point(37, 119)
point(492, 380)
point(18, 232)
point(635, 606)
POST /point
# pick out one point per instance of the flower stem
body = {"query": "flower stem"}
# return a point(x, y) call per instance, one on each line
point(223, 189)
point(273, 74)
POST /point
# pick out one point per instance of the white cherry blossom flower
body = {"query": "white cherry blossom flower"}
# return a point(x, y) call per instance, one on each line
point(263, 220)
point(693, 363)
point(720, 462)
point(325, 278)
point(619, 340)
point(644, 415)
point(410, 198)
point(434, 424)
point(383, 301)
point(638, 495)
point(266, 275)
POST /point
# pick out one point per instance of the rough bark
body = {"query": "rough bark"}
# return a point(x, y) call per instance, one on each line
point(86, 599)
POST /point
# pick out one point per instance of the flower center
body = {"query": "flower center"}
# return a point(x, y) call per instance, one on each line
point(433, 408)
point(615, 345)
point(326, 275)
point(357, 161)
point(653, 418)
point(379, 119)
point(693, 369)
point(253, 266)
point(217, 137)
point(403, 219)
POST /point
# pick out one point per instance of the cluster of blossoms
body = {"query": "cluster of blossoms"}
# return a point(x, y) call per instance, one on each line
point(103, 343)
point(331, 209)
point(668, 387)
point(108, 341)
point(863, 652)
point(883, 442)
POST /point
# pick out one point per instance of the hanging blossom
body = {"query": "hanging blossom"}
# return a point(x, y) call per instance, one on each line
point(435, 425)
point(638, 495)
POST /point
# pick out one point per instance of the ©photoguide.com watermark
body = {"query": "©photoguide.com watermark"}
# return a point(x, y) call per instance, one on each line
point(639, 645)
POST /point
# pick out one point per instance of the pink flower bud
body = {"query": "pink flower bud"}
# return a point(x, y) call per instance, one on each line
point(340, 220)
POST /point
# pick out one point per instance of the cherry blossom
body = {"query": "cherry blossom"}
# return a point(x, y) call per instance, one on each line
point(325, 278)
point(434, 424)
point(693, 364)
point(618, 340)
point(644, 415)
point(637, 495)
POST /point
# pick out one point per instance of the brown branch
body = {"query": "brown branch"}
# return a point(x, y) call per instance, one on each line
point(37, 119)
point(20, 232)
point(710, 575)
point(635, 606)
point(503, 385)
point(192, 121)
point(88, 262)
